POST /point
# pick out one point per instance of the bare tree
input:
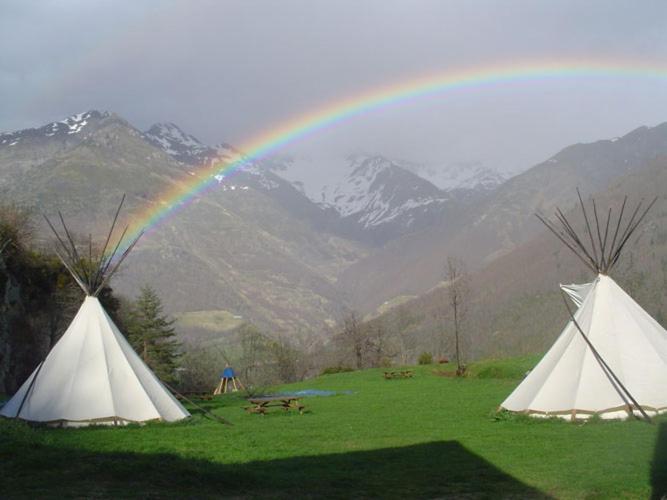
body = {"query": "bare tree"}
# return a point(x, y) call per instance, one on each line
point(403, 319)
point(353, 336)
point(457, 292)
point(286, 358)
point(253, 363)
point(378, 343)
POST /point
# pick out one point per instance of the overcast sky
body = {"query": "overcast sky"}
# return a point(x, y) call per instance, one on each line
point(226, 70)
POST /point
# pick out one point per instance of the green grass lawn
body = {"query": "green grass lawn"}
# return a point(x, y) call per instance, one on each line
point(425, 437)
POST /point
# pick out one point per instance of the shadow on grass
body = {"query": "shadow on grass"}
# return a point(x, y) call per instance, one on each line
point(659, 465)
point(437, 469)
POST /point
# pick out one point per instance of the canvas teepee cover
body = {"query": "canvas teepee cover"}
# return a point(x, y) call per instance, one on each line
point(570, 382)
point(611, 358)
point(92, 375)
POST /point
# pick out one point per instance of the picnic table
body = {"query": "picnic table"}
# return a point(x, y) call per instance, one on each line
point(262, 404)
point(398, 374)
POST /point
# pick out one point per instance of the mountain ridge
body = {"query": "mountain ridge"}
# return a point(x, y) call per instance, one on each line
point(257, 246)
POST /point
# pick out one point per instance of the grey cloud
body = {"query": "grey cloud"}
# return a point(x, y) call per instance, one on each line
point(227, 70)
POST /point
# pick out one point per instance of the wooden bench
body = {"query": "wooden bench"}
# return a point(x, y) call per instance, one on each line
point(398, 374)
point(262, 405)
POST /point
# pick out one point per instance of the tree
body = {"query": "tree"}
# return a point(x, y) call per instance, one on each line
point(152, 335)
point(378, 345)
point(286, 359)
point(354, 338)
point(403, 321)
point(457, 291)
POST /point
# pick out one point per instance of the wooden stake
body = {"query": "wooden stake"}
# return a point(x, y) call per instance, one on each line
point(605, 367)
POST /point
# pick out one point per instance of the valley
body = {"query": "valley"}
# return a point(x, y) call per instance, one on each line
point(271, 244)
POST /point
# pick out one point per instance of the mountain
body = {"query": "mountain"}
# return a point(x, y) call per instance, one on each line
point(384, 200)
point(24, 149)
point(236, 249)
point(375, 202)
point(514, 305)
point(496, 224)
point(291, 255)
point(376, 199)
point(72, 128)
point(179, 145)
point(460, 176)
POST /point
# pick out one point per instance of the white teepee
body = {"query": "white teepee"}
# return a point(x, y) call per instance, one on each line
point(611, 358)
point(570, 382)
point(92, 375)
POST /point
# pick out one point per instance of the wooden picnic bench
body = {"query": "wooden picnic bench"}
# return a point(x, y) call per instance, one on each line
point(262, 404)
point(398, 374)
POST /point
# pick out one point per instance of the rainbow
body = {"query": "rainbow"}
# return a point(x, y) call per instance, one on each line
point(179, 195)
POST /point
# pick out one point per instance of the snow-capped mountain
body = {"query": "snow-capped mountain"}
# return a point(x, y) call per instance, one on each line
point(179, 145)
point(364, 197)
point(319, 178)
point(189, 150)
point(384, 198)
point(471, 176)
point(64, 129)
point(378, 191)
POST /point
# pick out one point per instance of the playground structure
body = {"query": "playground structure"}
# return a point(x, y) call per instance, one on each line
point(228, 382)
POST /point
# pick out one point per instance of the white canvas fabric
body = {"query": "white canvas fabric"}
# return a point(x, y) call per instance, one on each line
point(569, 381)
point(577, 293)
point(92, 375)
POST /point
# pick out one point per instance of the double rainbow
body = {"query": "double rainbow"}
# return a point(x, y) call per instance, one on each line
point(177, 197)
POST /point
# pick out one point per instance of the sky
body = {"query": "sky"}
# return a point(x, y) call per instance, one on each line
point(227, 70)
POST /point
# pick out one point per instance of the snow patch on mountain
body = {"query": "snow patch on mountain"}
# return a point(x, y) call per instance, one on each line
point(377, 191)
point(355, 193)
point(325, 180)
point(71, 125)
point(458, 176)
point(74, 123)
point(181, 146)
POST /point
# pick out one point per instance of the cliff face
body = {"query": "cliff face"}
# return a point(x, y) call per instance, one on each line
point(22, 341)
point(9, 310)
point(38, 299)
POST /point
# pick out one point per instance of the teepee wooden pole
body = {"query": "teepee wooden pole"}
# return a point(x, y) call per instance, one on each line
point(110, 274)
point(27, 393)
point(632, 231)
point(574, 237)
point(605, 367)
point(67, 250)
point(110, 259)
point(567, 244)
point(77, 258)
point(626, 232)
point(606, 234)
point(74, 274)
point(588, 228)
point(100, 263)
point(206, 412)
point(597, 229)
point(618, 227)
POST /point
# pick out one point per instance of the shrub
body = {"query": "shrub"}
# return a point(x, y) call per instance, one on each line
point(385, 363)
point(336, 369)
point(425, 358)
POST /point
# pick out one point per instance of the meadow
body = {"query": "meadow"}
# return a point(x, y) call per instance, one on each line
point(423, 437)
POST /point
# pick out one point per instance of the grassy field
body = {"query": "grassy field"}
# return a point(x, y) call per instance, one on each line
point(425, 437)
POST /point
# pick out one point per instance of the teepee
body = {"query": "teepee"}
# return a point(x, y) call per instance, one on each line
point(92, 375)
point(611, 358)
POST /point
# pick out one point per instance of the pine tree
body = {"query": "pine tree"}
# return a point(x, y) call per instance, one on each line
point(152, 335)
